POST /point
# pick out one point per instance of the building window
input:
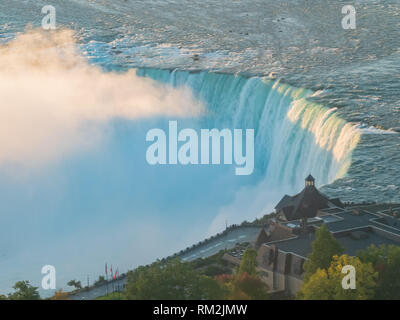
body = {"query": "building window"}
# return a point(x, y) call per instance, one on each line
point(271, 256)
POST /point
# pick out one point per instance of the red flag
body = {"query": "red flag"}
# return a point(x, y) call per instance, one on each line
point(111, 271)
point(115, 275)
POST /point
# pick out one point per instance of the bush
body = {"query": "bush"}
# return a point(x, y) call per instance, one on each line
point(24, 291)
point(74, 283)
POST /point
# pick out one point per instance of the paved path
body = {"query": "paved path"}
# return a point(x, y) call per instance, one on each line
point(228, 241)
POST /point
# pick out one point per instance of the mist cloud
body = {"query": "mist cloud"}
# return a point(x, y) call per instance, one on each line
point(54, 102)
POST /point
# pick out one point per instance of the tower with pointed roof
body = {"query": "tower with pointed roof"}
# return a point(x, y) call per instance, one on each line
point(304, 204)
point(310, 181)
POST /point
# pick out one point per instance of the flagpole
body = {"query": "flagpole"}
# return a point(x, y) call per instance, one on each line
point(106, 280)
point(111, 274)
point(116, 275)
point(112, 280)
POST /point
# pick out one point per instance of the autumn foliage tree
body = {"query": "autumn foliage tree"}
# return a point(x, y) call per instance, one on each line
point(327, 284)
point(60, 295)
point(245, 284)
point(386, 261)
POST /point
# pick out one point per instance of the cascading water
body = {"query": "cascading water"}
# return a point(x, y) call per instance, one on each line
point(293, 136)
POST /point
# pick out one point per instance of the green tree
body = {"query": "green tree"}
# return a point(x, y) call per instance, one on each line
point(24, 291)
point(375, 255)
point(386, 261)
point(215, 270)
point(327, 284)
point(100, 280)
point(324, 247)
point(74, 283)
point(210, 289)
point(248, 263)
point(170, 281)
point(243, 287)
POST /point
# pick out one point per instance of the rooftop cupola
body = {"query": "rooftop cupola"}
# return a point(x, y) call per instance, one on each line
point(310, 181)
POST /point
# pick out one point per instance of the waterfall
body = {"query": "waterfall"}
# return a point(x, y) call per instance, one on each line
point(294, 137)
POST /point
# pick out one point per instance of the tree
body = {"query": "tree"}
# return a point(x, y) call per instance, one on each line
point(327, 284)
point(170, 281)
point(24, 291)
point(248, 263)
point(60, 295)
point(74, 283)
point(324, 247)
point(251, 286)
point(243, 287)
point(100, 280)
point(386, 261)
point(210, 289)
point(245, 284)
point(215, 270)
point(317, 287)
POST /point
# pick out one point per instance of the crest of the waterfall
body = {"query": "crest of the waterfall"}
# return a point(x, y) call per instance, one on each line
point(293, 135)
